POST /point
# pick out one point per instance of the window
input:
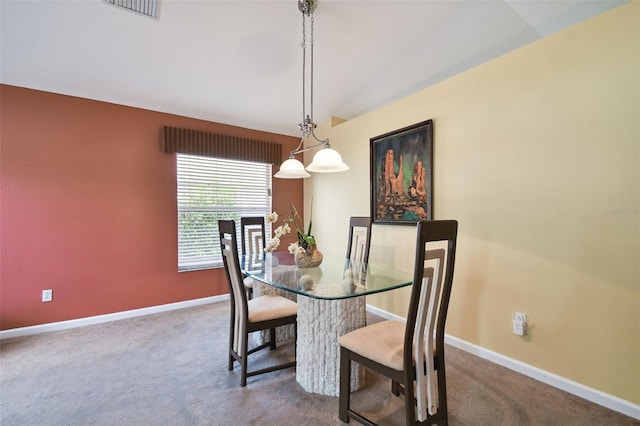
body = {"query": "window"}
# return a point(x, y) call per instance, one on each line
point(210, 189)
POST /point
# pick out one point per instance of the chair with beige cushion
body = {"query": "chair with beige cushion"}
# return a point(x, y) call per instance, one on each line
point(247, 316)
point(252, 237)
point(411, 354)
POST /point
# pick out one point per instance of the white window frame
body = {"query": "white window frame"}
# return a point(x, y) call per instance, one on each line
point(209, 189)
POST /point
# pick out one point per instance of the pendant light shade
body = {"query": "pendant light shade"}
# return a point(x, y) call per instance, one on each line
point(292, 169)
point(327, 160)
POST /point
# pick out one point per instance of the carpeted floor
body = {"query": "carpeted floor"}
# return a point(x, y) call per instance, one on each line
point(171, 369)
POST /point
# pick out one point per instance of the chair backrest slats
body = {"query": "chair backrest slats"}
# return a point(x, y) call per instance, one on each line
point(359, 239)
point(421, 350)
point(252, 235)
point(424, 335)
point(240, 310)
point(255, 241)
point(431, 291)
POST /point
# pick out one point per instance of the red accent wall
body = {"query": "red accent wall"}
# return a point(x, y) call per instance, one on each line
point(88, 208)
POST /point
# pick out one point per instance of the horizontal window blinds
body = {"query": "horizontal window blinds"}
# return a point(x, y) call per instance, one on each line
point(210, 189)
point(144, 7)
point(187, 141)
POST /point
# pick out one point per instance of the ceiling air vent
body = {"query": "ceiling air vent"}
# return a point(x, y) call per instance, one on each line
point(143, 7)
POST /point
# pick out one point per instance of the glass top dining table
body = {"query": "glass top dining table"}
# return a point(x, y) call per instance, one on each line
point(333, 306)
point(336, 277)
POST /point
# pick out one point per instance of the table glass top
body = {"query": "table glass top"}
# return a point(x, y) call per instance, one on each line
point(336, 278)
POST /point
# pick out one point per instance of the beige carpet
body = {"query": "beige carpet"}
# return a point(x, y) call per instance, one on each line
point(171, 369)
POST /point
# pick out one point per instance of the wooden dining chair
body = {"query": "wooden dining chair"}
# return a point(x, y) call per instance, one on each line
point(260, 313)
point(411, 353)
point(359, 239)
point(252, 237)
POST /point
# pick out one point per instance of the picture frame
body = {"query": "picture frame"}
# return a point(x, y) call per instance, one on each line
point(402, 175)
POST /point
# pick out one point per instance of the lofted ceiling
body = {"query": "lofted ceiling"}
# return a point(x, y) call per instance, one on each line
point(240, 62)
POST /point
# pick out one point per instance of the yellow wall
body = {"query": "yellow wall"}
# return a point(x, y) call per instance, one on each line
point(537, 157)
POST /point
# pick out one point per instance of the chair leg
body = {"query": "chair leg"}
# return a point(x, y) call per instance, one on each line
point(272, 338)
point(409, 401)
point(442, 395)
point(395, 388)
point(231, 333)
point(243, 362)
point(345, 385)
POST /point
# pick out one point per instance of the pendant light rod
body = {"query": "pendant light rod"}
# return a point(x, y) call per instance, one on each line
point(304, 62)
point(313, 124)
point(326, 160)
point(307, 126)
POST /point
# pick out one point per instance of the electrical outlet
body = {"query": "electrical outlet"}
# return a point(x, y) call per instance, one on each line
point(47, 295)
point(519, 328)
point(517, 316)
point(519, 323)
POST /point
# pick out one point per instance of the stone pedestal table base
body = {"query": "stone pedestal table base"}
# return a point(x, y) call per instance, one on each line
point(320, 324)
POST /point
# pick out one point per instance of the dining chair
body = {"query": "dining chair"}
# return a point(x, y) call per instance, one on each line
point(359, 238)
point(411, 352)
point(247, 316)
point(252, 237)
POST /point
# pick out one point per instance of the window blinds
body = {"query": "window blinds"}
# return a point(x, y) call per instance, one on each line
point(210, 189)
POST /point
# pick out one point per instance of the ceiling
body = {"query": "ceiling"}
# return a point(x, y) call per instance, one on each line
point(240, 62)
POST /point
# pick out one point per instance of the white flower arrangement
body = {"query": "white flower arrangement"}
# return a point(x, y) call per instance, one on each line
point(304, 240)
point(279, 232)
point(294, 248)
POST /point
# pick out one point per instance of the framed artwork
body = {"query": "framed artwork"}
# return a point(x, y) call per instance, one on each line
point(402, 175)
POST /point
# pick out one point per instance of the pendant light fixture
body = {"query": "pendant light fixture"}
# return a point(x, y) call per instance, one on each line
point(326, 160)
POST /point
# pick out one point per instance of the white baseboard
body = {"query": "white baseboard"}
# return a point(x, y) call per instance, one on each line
point(384, 314)
point(98, 319)
point(597, 397)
